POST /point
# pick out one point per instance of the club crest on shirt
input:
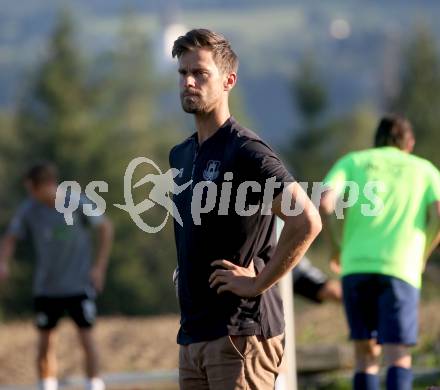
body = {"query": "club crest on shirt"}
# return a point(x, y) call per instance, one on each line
point(212, 170)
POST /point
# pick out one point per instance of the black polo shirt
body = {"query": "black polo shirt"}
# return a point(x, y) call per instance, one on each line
point(224, 233)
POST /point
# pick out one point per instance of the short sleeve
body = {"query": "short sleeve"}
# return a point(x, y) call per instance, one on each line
point(433, 185)
point(339, 174)
point(261, 163)
point(18, 226)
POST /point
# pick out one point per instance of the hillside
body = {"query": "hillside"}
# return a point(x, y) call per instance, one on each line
point(269, 37)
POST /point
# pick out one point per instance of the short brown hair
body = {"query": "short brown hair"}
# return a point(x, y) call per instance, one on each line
point(224, 56)
point(393, 130)
point(41, 173)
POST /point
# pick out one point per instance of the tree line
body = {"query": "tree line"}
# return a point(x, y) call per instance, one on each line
point(92, 116)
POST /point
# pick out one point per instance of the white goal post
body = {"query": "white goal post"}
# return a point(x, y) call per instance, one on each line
point(287, 379)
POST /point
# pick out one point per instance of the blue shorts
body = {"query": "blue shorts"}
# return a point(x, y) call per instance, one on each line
point(381, 307)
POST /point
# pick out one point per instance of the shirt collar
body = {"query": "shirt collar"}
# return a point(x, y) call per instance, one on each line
point(222, 129)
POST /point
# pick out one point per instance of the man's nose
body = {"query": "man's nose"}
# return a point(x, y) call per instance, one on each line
point(189, 81)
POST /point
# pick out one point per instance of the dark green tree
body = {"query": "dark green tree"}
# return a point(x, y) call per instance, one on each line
point(310, 98)
point(15, 294)
point(92, 120)
point(54, 118)
point(419, 96)
point(309, 93)
point(321, 139)
point(142, 264)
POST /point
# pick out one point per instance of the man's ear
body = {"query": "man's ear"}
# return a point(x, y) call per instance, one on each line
point(230, 81)
point(410, 144)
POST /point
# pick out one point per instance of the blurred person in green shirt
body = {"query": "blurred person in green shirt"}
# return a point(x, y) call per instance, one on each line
point(385, 239)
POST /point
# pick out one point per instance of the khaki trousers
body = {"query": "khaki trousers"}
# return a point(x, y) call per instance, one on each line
point(231, 363)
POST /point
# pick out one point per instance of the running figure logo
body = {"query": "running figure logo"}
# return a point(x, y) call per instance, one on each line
point(163, 185)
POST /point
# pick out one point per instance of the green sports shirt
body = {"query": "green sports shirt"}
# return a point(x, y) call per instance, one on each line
point(384, 230)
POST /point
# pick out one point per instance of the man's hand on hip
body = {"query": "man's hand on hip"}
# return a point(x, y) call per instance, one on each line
point(233, 278)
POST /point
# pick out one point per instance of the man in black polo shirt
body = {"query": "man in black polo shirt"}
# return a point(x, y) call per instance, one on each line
point(231, 333)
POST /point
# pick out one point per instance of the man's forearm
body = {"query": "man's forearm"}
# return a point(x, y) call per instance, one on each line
point(332, 230)
point(293, 243)
point(332, 226)
point(105, 239)
point(432, 229)
point(7, 249)
point(432, 243)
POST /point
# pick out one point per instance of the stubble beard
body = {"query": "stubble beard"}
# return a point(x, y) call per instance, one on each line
point(193, 105)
